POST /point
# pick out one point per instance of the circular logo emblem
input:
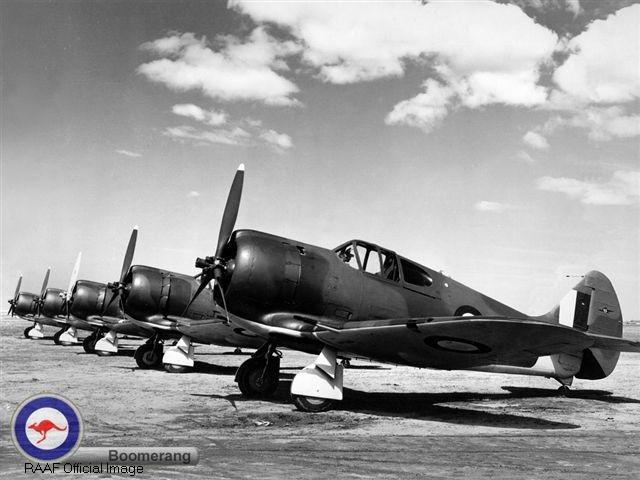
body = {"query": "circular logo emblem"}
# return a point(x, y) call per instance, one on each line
point(46, 427)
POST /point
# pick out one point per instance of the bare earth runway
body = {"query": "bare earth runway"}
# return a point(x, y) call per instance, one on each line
point(394, 422)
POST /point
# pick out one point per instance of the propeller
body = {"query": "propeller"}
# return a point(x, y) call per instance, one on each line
point(14, 300)
point(40, 300)
point(118, 287)
point(214, 267)
point(72, 281)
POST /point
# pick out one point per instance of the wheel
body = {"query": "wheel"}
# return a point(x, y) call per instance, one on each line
point(175, 368)
point(56, 337)
point(26, 332)
point(254, 381)
point(148, 355)
point(89, 343)
point(564, 391)
point(102, 353)
point(312, 404)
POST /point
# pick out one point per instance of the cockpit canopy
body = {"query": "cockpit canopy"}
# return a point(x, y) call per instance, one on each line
point(383, 263)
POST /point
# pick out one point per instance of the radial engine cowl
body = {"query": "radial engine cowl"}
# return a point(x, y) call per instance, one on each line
point(53, 302)
point(87, 299)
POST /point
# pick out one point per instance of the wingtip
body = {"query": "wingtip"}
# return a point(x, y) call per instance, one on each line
point(241, 167)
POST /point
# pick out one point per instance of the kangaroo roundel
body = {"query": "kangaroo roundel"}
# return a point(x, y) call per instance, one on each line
point(46, 427)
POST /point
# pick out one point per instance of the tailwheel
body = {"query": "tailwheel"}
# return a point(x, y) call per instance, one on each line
point(258, 378)
point(175, 368)
point(26, 332)
point(312, 404)
point(89, 343)
point(149, 355)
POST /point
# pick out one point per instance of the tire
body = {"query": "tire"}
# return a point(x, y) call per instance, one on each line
point(312, 404)
point(56, 337)
point(26, 332)
point(102, 353)
point(250, 381)
point(175, 368)
point(89, 343)
point(148, 356)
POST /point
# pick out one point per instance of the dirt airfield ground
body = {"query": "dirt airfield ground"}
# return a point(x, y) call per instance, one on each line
point(395, 422)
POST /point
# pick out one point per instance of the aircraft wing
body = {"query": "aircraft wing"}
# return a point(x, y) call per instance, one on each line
point(458, 342)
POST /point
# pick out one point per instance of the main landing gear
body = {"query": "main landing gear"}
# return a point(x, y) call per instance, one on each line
point(259, 376)
point(149, 354)
point(69, 337)
point(180, 357)
point(563, 389)
point(35, 332)
point(107, 345)
point(89, 343)
point(319, 385)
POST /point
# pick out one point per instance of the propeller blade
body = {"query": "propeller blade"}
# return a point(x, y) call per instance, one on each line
point(15, 295)
point(116, 293)
point(44, 284)
point(10, 312)
point(74, 276)
point(204, 281)
point(230, 210)
point(128, 257)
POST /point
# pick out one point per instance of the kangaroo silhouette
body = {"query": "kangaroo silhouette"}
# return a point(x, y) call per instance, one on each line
point(43, 428)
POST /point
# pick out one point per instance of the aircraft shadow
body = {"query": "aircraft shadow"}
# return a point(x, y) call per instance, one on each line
point(421, 406)
point(599, 395)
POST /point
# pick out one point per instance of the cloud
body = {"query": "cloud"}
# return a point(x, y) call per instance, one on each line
point(603, 63)
point(248, 135)
point(230, 69)
point(535, 140)
point(494, 207)
point(234, 136)
point(211, 117)
point(281, 141)
point(622, 189)
point(525, 157)
point(486, 53)
point(602, 123)
point(193, 194)
point(128, 153)
point(424, 111)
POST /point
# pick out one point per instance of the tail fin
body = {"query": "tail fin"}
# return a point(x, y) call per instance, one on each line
point(592, 306)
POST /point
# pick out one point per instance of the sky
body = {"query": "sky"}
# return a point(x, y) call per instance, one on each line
point(498, 142)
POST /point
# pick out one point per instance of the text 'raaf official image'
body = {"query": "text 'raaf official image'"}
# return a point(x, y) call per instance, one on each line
point(318, 239)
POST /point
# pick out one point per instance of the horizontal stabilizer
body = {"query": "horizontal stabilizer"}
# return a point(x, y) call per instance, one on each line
point(613, 343)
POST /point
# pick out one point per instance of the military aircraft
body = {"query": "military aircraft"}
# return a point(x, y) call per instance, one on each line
point(361, 300)
point(47, 308)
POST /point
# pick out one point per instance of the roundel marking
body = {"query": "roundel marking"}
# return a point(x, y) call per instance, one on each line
point(457, 345)
point(46, 427)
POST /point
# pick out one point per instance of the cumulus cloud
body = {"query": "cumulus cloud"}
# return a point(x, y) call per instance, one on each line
point(193, 194)
point(602, 123)
point(211, 117)
point(535, 140)
point(493, 207)
point(603, 63)
point(280, 141)
point(425, 110)
point(228, 69)
point(487, 53)
point(128, 153)
point(622, 189)
point(525, 157)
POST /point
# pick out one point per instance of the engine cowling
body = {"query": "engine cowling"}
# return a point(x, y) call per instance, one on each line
point(151, 292)
point(26, 304)
point(87, 299)
point(53, 302)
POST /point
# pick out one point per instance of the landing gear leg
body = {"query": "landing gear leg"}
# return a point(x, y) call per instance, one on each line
point(149, 354)
point(36, 332)
point(107, 345)
point(89, 343)
point(179, 358)
point(319, 385)
point(56, 336)
point(69, 337)
point(259, 376)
